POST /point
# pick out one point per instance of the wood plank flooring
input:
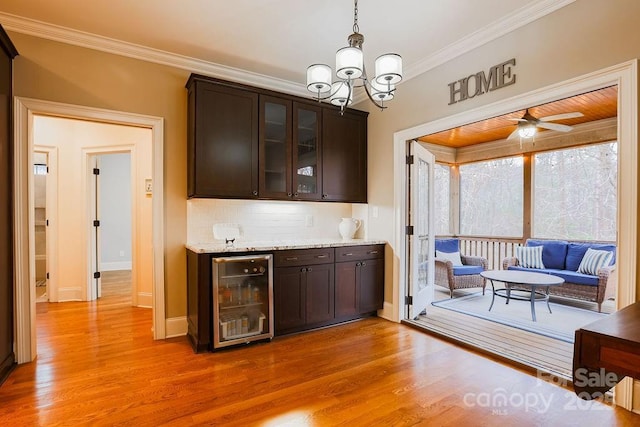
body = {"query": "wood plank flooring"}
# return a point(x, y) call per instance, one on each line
point(98, 365)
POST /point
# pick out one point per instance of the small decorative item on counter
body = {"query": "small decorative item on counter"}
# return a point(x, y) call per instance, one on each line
point(348, 227)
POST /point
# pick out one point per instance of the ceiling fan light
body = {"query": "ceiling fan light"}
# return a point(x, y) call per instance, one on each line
point(349, 63)
point(527, 131)
point(341, 94)
point(388, 68)
point(382, 92)
point(318, 78)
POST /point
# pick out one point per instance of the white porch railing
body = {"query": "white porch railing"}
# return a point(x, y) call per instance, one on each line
point(493, 249)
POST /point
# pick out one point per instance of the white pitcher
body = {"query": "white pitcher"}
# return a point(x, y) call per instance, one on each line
point(348, 227)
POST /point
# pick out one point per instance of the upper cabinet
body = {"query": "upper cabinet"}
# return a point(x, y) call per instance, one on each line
point(246, 142)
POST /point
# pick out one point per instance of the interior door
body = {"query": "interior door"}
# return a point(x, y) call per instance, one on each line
point(421, 227)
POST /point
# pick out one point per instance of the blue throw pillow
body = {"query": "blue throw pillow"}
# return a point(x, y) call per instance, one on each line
point(554, 252)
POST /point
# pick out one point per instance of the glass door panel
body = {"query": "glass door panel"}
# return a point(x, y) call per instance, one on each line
point(275, 151)
point(306, 152)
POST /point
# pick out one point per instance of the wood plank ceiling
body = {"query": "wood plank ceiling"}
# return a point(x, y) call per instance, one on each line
point(596, 105)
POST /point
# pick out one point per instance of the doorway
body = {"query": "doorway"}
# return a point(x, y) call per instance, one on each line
point(25, 112)
point(623, 75)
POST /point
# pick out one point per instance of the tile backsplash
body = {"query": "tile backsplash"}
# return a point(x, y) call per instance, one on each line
point(267, 220)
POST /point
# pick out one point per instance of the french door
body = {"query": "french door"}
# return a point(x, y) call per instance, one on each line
point(420, 230)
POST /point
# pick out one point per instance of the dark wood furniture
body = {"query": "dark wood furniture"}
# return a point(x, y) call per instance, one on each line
point(7, 356)
point(359, 280)
point(606, 351)
point(303, 289)
point(246, 142)
point(313, 288)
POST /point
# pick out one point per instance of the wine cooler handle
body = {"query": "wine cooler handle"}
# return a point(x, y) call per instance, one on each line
point(291, 258)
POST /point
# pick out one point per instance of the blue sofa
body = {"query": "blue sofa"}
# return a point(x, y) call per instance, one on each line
point(562, 258)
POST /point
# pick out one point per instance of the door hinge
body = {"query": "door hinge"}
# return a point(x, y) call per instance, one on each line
point(47, 275)
point(96, 223)
point(409, 230)
point(96, 171)
point(410, 160)
point(96, 275)
point(47, 169)
point(408, 300)
point(46, 222)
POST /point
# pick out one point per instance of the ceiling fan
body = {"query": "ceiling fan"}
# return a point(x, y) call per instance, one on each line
point(528, 124)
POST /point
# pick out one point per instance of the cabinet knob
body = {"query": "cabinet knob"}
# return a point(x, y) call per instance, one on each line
point(324, 196)
point(291, 258)
point(309, 269)
point(373, 252)
point(255, 193)
point(363, 264)
point(289, 194)
point(302, 270)
point(358, 264)
point(295, 194)
point(322, 256)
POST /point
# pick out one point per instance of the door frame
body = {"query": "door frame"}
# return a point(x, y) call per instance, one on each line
point(24, 110)
point(625, 75)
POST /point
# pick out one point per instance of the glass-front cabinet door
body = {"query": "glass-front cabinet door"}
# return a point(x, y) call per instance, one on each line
point(306, 152)
point(275, 148)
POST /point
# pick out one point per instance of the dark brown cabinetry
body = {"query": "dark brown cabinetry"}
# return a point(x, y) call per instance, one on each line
point(359, 280)
point(7, 356)
point(246, 142)
point(303, 289)
point(222, 157)
point(312, 288)
point(344, 157)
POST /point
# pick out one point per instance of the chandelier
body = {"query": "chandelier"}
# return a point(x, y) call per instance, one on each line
point(351, 74)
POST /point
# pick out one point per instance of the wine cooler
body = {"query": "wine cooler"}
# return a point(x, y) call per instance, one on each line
point(242, 299)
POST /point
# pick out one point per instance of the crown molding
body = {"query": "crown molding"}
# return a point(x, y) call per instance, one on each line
point(499, 28)
point(511, 22)
point(105, 44)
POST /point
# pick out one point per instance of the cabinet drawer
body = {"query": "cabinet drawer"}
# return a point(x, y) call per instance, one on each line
point(298, 257)
point(350, 253)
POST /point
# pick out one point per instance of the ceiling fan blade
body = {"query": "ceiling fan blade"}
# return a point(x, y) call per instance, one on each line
point(513, 135)
point(555, 126)
point(562, 116)
point(518, 120)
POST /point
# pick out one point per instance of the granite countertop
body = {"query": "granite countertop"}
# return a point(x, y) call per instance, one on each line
point(276, 245)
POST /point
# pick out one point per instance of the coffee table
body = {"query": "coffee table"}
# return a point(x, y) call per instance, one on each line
point(526, 281)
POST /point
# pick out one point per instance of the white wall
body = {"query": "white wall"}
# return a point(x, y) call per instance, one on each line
point(75, 141)
point(115, 211)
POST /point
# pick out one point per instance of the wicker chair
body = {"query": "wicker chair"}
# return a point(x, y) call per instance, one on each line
point(458, 277)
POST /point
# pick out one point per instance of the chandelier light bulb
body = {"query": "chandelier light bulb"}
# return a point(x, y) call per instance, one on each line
point(341, 96)
point(318, 78)
point(389, 68)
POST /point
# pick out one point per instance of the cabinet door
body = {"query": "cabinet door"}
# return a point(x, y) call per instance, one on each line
point(320, 293)
point(347, 292)
point(307, 163)
point(344, 156)
point(371, 282)
point(223, 142)
point(288, 298)
point(275, 148)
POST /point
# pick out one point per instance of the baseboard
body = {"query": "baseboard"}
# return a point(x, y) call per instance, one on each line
point(145, 300)
point(387, 312)
point(114, 266)
point(69, 294)
point(176, 327)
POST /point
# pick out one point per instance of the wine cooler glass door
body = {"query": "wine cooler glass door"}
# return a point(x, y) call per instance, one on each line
point(242, 299)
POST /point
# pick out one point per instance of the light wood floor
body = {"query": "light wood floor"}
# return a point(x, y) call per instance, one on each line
point(98, 365)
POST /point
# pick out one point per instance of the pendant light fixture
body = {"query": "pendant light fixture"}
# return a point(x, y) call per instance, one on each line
point(351, 74)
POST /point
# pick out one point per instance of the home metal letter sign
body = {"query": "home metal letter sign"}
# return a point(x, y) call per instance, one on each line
point(500, 75)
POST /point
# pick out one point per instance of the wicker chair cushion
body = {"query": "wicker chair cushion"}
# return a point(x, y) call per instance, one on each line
point(467, 270)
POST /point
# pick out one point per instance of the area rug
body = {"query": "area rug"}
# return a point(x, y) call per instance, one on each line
point(561, 324)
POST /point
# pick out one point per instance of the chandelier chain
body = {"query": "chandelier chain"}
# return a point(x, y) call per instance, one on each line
point(356, 29)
